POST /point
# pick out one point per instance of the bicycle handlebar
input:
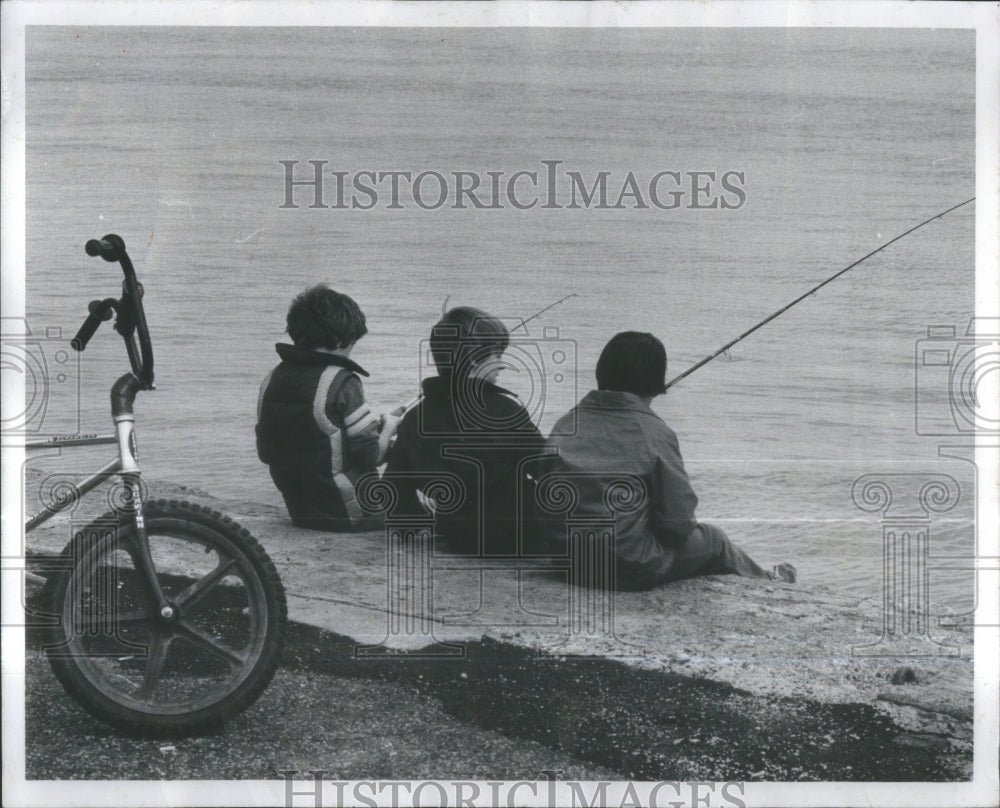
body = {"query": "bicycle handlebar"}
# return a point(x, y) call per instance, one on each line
point(131, 320)
point(104, 247)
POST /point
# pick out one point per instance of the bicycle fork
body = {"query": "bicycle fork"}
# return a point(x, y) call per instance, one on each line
point(123, 395)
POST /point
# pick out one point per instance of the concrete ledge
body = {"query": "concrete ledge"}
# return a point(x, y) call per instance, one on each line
point(682, 664)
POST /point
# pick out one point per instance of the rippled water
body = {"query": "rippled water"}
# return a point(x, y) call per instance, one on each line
point(172, 138)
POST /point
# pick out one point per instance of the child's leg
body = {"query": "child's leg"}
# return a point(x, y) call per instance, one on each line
point(708, 551)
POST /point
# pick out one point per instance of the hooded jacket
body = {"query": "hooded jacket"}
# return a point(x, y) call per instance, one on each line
point(317, 436)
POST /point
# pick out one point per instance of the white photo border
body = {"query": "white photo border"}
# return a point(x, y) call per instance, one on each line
point(983, 17)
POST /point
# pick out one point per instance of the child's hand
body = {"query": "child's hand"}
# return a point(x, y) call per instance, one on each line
point(387, 426)
point(389, 421)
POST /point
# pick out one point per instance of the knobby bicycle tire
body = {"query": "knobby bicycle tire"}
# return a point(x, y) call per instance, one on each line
point(153, 677)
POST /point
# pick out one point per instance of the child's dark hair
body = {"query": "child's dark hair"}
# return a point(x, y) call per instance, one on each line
point(464, 337)
point(633, 362)
point(323, 318)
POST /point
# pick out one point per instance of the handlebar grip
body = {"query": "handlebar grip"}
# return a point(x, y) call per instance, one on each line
point(105, 247)
point(100, 310)
point(90, 325)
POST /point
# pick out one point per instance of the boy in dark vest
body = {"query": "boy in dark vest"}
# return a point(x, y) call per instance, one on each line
point(314, 429)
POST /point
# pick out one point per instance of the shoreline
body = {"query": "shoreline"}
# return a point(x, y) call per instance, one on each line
point(714, 678)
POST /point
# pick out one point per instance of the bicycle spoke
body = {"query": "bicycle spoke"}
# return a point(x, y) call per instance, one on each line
point(156, 656)
point(133, 619)
point(190, 596)
point(211, 645)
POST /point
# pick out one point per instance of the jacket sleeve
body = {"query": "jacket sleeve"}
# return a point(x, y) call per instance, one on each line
point(402, 472)
point(360, 425)
point(672, 499)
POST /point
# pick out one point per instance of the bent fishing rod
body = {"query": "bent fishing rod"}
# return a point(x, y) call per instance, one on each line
point(409, 405)
point(804, 295)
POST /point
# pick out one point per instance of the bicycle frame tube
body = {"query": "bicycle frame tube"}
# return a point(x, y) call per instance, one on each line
point(71, 440)
point(125, 438)
point(81, 490)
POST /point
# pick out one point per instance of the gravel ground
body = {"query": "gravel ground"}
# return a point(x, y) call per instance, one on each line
point(352, 728)
point(501, 713)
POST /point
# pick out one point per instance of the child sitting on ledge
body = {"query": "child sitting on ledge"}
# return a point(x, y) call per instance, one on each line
point(613, 434)
point(314, 429)
point(472, 429)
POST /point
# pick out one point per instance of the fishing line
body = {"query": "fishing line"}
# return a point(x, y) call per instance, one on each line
point(803, 296)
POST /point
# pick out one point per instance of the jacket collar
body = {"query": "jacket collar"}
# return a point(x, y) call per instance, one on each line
point(304, 356)
point(614, 400)
point(442, 386)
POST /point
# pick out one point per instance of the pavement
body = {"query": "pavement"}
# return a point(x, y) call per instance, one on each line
point(717, 677)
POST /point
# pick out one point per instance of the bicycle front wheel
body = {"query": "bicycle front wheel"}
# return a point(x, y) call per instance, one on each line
point(157, 676)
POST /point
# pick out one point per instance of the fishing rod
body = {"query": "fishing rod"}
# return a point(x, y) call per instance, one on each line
point(803, 296)
point(540, 312)
point(409, 405)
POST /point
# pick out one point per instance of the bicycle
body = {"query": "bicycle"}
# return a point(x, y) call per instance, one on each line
point(169, 617)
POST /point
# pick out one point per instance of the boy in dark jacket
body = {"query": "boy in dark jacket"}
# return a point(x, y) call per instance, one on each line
point(314, 429)
point(613, 434)
point(469, 427)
